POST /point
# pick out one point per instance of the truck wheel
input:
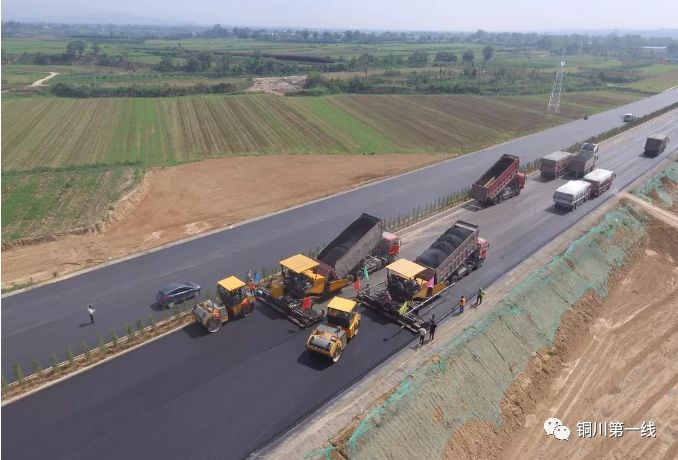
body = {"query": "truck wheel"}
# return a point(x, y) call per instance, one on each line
point(355, 331)
point(350, 279)
point(336, 357)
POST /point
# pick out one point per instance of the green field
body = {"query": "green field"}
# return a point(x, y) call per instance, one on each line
point(57, 132)
point(39, 203)
point(16, 77)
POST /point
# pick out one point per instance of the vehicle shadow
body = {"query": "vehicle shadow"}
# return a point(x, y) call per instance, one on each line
point(195, 330)
point(313, 361)
point(275, 315)
point(155, 306)
point(543, 180)
point(557, 211)
point(374, 316)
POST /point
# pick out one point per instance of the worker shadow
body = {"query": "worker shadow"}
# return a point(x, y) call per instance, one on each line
point(88, 323)
point(313, 361)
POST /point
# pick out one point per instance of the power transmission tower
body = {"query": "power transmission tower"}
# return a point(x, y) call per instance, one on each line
point(554, 100)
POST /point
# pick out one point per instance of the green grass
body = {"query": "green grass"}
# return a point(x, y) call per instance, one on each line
point(39, 203)
point(13, 78)
point(365, 138)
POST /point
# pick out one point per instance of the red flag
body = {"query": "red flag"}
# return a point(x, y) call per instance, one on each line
point(306, 305)
point(356, 285)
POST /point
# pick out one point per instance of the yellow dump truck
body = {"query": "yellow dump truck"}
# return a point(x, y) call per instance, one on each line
point(343, 323)
point(235, 300)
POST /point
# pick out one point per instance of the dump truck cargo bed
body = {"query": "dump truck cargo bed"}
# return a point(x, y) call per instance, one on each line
point(356, 242)
point(582, 163)
point(498, 177)
point(555, 164)
point(450, 250)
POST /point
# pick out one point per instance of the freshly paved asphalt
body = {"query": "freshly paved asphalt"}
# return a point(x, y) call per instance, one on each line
point(223, 395)
point(49, 318)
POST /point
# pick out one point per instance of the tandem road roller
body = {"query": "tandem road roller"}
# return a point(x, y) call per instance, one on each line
point(235, 300)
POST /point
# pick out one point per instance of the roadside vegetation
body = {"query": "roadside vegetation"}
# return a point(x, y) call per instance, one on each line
point(41, 202)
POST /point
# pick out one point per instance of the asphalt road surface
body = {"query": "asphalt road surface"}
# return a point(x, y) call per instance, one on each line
point(47, 319)
point(192, 395)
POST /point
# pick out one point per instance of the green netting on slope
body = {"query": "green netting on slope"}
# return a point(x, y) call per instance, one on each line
point(320, 454)
point(476, 368)
point(654, 188)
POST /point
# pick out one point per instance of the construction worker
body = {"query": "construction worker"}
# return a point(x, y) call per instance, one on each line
point(479, 296)
point(432, 331)
point(91, 310)
point(422, 335)
point(462, 304)
point(403, 310)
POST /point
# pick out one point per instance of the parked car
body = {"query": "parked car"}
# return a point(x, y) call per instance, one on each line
point(176, 292)
point(628, 117)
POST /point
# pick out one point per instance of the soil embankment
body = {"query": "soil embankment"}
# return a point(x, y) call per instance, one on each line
point(181, 201)
point(614, 359)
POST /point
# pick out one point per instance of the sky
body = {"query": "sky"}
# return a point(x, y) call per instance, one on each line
point(434, 15)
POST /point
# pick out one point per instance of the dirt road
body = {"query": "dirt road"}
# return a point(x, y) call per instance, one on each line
point(42, 81)
point(178, 202)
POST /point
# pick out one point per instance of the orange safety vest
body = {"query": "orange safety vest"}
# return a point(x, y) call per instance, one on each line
point(462, 302)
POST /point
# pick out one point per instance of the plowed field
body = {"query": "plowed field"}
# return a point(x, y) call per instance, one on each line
point(55, 132)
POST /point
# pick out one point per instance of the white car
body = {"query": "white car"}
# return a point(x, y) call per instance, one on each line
point(628, 117)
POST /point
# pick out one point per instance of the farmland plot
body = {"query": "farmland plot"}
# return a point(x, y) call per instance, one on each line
point(56, 132)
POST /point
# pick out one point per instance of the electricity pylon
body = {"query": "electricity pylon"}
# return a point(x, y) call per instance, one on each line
point(554, 100)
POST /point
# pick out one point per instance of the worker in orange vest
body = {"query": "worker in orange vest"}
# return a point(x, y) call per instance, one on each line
point(462, 303)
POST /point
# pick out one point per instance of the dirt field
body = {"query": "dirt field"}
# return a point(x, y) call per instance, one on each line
point(278, 85)
point(142, 221)
point(614, 360)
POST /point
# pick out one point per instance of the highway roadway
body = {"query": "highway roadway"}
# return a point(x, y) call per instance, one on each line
point(224, 395)
point(47, 319)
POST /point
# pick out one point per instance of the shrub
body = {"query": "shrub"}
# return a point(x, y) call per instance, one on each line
point(37, 366)
point(114, 338)
point(102, 346)
point(86, 351)
point(55, 363)
point(18, 373)
point(70, 357)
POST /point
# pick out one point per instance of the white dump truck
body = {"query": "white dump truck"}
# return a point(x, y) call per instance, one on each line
point(572, 194)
